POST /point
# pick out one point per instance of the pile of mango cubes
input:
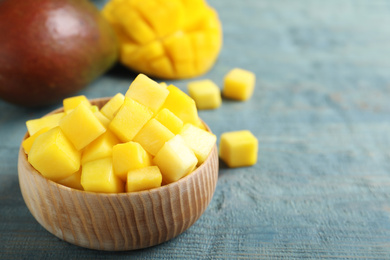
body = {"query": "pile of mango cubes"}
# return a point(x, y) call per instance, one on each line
point(148, 137)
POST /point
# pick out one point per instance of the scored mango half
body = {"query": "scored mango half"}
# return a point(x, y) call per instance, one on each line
point(167, 39)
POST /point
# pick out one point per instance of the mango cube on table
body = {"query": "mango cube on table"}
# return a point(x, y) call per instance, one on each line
point(239, 84)
point(182, 105)
point(101, 147)
point(73, 181)
point(129, 156)
point(175, 159)
point(200, 141)
point(153, 136)
point(72, 102)
point(98, 176)
point(206, 94)
point(238, 148)
point(53, 155)
point(112, 106)
point(131, 117)
point(147, 92)
point(34, 125)
point(143, 179)
point(81, 126)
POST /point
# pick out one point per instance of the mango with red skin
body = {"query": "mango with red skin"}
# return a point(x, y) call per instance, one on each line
point(50, 49)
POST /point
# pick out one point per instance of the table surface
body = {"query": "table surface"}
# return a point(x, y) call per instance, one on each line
point(321, 113)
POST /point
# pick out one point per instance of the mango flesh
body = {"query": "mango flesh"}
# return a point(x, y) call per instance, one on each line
point(51, 49)
point(166, 39)
point(238, 148)
point(53, 155)
point(134, 147)
point(206, 94)
point(175, 159)
point(143, 179)
point(239, 84)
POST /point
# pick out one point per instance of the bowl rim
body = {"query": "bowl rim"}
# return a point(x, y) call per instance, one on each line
point(165, 187)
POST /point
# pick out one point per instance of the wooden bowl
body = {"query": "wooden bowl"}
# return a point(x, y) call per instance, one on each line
point(121, 221)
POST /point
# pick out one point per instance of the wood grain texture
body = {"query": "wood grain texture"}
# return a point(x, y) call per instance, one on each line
point(123, 221)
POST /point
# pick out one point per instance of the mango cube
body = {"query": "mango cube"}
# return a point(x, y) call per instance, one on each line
point(238, 148)
point(73, 181)
point(175, 159)
point(28, 142)
point(239, 84)
point(147, 92)
point(81, 126)
point(143, 179)
point(72, 102)
point(112, 106)
point(53, 155)
point(102, 118)
point(200, 141)
point(153, 136)
point(98, 176)
point(169, 120)
point(131, 117)
point(206, 94)
point(101, 147)
point(51, 121)
point(182, 105)
point(129, 156)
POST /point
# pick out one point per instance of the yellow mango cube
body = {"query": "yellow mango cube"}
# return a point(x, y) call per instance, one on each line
point(182, 105)
point(239, 84)
point(101, 147)
point(169, 120)
point(102, 118)
point(112, 106)
point(72, 102)
point(175, 160)
point(153, 136)
point(143, 179)
point(129, 156)
point(53, 155)
point(238, 148)
point(98, 176)
point(131, 117)
point(206, 94)
point(28, 142)
point(200, 141)
point(147, 92)
point(81, 126)
point(73, 181)
point(51, 121)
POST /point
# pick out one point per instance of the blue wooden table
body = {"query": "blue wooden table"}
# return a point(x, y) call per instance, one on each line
point(321, 113)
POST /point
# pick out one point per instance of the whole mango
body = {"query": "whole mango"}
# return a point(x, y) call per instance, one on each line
point(50, 49)
point(167, 39)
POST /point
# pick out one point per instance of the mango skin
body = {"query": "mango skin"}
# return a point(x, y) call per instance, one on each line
point(50, 49)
